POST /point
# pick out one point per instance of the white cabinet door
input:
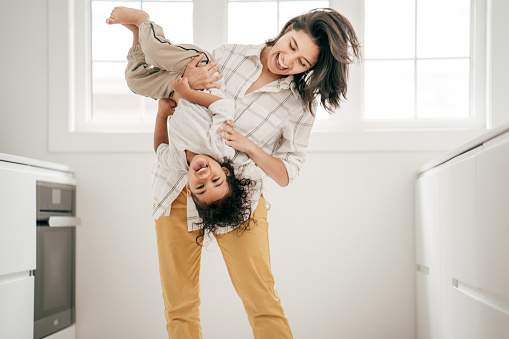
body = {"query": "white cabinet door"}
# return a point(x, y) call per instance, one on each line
point(493, 219)
point(458, 195)
point(17, 308)
point(458, 250)
point(428, 257)
point(17, 221)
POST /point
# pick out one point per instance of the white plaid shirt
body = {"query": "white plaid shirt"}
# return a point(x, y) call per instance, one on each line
point(274, 116)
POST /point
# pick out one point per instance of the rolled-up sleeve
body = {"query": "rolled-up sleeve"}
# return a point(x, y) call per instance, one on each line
point(294, 143)
point(222, 110)
point(218, 54)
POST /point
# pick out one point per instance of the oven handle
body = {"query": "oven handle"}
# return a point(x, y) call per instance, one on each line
point(64, 221)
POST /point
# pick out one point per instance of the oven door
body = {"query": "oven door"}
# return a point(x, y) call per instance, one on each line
point(54, 279)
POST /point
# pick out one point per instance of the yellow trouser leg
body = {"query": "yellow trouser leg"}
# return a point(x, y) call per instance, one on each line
point(247, 258)
point(179, 268)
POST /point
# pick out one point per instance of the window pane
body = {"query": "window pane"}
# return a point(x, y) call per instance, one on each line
point(443, 28)
point(290, 9)
point(389, 29)
point(109, 42)
point(176, 19)
point(321, 113)
point(149, 109)
point(111, 98)
point(251, 22)
point(443, 89)
point(389, 89)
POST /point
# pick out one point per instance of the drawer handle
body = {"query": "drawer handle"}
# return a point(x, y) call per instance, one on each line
point(63, 221)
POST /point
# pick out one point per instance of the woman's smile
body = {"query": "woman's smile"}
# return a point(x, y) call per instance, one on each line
point(294, 53)
point(279, 63)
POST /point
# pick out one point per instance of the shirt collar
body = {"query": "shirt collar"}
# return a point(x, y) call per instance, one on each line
point(255, 50)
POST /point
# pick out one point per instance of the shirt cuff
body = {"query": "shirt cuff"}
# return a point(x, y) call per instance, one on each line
point(225, 107)
point(292, 170)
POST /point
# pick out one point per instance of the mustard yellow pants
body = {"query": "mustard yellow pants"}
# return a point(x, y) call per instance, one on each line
point(247, 258)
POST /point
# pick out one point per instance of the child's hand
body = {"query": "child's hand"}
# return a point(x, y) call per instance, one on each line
point(234, 139)
point(166, 108)
point(181, 87)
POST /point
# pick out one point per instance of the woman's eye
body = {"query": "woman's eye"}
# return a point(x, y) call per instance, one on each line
point(291, 47)
point(215, 180)
point(303, 65)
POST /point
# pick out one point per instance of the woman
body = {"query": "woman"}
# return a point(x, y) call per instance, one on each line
point(274, 86)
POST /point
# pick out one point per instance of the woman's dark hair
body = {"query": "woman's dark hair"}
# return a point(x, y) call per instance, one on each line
point(339, 47)
point(234, 210)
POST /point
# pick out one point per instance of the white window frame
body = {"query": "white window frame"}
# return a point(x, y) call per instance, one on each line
point(477, 105)
point(345, 131)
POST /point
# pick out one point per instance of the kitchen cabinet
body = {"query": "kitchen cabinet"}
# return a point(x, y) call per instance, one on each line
point(462, 242)
point(428, 257)
point(16, 307)
point(493, 209)
point(18, 177)
point(17, 220)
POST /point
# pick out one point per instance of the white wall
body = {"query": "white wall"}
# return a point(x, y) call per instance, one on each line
point(342, 237)
point(499, 68)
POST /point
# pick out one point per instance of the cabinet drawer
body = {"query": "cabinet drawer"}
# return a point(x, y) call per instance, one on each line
point(17, 308)
point(428, 306)
point(473, 317)
point(17, 221)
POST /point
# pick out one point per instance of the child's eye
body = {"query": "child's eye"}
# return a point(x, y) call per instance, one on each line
point(201, 186)
point(215, 180)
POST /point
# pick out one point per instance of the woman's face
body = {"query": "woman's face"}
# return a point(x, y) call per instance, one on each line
point(295, 52)
point(207, 179)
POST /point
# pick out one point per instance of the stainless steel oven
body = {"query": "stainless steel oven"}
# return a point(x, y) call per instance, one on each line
point(55, 267)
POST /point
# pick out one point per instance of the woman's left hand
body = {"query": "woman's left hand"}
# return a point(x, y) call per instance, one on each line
point(234, 139)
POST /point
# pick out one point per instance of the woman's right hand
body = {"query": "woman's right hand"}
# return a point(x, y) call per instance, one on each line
point(202, 77)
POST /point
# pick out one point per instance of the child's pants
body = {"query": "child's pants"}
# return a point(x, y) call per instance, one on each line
point(154, 63)
point(247, 259)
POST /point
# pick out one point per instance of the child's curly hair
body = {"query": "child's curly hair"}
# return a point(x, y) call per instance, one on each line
point(234, 210)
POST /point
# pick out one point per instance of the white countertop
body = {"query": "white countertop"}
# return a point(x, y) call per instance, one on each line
point(33, 162)
point(490, 134)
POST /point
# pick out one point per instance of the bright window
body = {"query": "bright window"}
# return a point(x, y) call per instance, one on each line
point(113, 103)
point(419, 63)
point(247, 29)
point(275, 14)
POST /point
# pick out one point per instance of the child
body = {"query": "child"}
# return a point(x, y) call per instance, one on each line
point(197, 152)
point(222, 199)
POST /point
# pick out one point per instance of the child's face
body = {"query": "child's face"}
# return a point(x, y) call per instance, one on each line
point(207, 179)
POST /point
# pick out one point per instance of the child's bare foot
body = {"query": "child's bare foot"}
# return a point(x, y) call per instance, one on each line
point(127, 16)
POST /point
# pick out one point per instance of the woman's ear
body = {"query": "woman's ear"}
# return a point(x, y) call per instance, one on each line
point(188, 190)
point(226, 171)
